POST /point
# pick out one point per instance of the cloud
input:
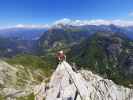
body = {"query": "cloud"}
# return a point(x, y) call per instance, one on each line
point(66, 21)
point(31, 26)
point(117, 22)
point(63, 21)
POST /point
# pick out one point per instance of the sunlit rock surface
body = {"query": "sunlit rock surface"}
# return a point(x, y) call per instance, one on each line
point(16, 81)
point(65, 84)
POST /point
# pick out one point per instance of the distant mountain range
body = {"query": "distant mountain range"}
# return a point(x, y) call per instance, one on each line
point(10, 47)
point(107, 50)
point(35, 33)
point(62, 36)
point(52, 39)
point(57, 38)
point(109, 54)
point(127, 30)
point(22, 33)
point(19, 40)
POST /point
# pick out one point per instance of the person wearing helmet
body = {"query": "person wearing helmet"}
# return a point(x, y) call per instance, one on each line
point(61, 56)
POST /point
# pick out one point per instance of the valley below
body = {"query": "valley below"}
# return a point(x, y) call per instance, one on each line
point(102, 55)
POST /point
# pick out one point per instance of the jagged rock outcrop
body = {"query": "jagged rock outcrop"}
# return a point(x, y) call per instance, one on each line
point(107, 53)
point(65, 84)
point(16, 81)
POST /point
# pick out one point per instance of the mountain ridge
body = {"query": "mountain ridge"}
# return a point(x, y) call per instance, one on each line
point(103, 53)
point(81, 85)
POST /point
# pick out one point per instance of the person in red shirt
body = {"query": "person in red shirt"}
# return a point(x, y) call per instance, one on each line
point(61, 56)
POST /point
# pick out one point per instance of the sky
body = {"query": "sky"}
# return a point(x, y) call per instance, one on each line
point(37, 12)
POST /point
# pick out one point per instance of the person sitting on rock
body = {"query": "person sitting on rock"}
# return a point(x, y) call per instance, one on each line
point(61, 56)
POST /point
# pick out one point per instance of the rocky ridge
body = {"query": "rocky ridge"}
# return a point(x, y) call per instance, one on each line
point(17, 81)
point(66, 84)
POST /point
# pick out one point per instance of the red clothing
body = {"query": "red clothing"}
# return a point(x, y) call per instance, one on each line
point(61, 56)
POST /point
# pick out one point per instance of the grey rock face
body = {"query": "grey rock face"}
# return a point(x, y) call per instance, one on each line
point(16, 81)
point(65, 84)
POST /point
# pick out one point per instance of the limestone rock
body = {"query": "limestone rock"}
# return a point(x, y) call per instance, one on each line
point(65, 84)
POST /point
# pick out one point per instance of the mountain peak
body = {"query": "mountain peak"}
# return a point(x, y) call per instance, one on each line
point(82, 85)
